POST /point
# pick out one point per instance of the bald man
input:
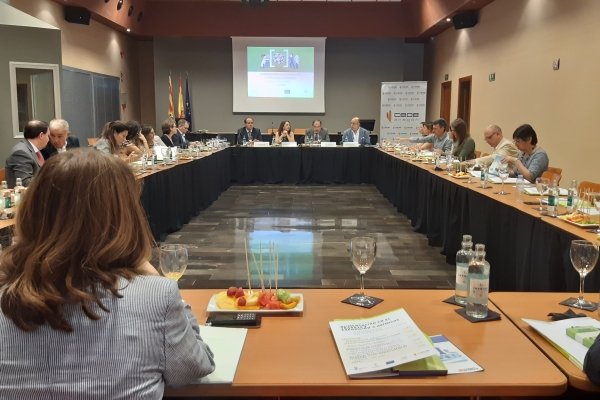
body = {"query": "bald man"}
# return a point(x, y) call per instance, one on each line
point(493, 136)
point(356, 133)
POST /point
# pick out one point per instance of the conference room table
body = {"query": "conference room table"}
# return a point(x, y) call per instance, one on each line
point(518, 305)
point(527, 251)
point(295, 355)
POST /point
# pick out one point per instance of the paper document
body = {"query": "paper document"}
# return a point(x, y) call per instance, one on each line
point(455, 360)
point(532, 190)
point(372, 346)
point(496, 179)
point(227, 345)
point(555, 333)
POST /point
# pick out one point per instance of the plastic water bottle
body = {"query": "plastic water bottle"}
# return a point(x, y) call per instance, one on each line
point(19, 189)
point(553, 199)
point(572, 196)
point(484, 173)
point(478, 281)
point(463, 258)
point(520, 188)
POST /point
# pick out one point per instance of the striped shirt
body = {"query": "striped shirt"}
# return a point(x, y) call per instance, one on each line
point(149, 339)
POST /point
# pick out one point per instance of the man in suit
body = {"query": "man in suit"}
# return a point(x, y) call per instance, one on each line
point(356, 133)
point(317, 133)
point(248, 132)
point(25, 158)
point(60, 138)
point(179, 139)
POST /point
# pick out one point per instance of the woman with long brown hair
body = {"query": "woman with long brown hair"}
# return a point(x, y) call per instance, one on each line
point(84, 314)
point(464, 145)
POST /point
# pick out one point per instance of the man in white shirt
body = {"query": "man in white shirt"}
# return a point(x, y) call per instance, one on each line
point(60, 138)
point(356, 133)
point(493, 136)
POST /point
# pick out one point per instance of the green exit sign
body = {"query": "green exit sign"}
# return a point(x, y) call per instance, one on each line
point(492, 77)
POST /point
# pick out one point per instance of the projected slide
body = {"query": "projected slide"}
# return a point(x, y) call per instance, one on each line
point(281, 72)
point(278, 74)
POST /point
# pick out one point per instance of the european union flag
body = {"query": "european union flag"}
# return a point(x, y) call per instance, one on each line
point(188, 107)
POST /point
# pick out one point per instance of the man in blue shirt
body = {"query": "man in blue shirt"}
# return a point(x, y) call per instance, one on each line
point(440, 140)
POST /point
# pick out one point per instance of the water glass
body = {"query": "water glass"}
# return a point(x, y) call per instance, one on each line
point(173, 260)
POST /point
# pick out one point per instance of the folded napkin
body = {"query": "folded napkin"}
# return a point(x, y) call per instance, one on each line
point(566, 315)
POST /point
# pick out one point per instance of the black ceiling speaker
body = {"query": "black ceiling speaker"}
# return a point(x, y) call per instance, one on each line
point(255, 3)
point(77, 15)
point(467, 19)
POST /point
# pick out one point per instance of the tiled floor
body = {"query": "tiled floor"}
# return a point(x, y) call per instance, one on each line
point(311, 228)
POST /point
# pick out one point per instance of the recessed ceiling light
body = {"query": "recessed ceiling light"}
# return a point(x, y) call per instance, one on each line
point(128, 30)
point(119, 4)
point(448, 19)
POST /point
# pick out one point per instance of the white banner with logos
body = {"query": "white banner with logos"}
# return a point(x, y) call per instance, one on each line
point(403, 107)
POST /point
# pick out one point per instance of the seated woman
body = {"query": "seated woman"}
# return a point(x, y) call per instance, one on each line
point(136, 142)
point(83, 313)
point(168, 129)
point(284, 133)
point(532, 160)
point(464, 145)
point(151, 138)
point(113, 136)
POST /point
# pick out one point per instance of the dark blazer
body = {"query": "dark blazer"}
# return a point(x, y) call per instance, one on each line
point(21, 163)
point(179, 140)
point(363, 136)
point(323, 135)
point(242, 134)
point(49, 151)
point(167, 141)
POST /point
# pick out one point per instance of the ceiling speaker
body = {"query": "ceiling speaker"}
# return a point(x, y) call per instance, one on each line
point(466, 19)
point(77, 15)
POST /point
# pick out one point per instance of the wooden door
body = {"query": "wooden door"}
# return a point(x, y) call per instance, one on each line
point(445, 100)
point(464, 100)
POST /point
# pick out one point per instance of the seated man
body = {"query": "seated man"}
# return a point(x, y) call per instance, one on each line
point(25, 158)
point(248, 132)
point(316, 133)
point(440, 140)
point(60, 138)
point(178, 138)
point(493, 136)
point(356, 133)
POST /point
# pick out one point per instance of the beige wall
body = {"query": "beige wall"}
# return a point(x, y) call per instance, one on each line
point(518, 40)
point(95, 47)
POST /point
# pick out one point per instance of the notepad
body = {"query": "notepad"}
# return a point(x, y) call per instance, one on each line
point(227, 345)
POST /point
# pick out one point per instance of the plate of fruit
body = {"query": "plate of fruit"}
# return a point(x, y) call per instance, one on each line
point(264, 301)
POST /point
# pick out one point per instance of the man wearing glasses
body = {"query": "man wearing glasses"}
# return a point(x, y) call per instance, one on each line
point(493, 136)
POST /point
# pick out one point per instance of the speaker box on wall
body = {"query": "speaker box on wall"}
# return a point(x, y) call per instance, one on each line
point(77, 15)
point(465, 20)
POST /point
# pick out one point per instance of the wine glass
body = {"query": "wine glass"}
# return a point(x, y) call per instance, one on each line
point(173, 260)
point(503, 173)
point(363, 251)
point(584, 255)
point(541, 184)
point(595, 200)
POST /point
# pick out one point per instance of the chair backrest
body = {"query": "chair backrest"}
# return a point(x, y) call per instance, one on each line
point(588, 186)
point(552, 176)
point(2, 174)
point(299, 131)
point(271, 131)
point(555, 170)
point(92, 141)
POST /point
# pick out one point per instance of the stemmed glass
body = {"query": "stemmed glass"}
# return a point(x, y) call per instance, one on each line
point(503, 173)
point(584, 255)
point(173, 260)
point(595, 199)
point(363, 251)
point(541, 184)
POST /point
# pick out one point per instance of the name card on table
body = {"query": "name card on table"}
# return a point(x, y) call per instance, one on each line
point(289, 144)
point(328, 144)
point(261, 144)
point(351, 144)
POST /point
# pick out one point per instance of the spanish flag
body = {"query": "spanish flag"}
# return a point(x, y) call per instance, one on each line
point(180, 111)
point(171, 107)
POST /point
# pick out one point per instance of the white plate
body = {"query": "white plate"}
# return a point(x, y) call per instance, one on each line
point(213, 308)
